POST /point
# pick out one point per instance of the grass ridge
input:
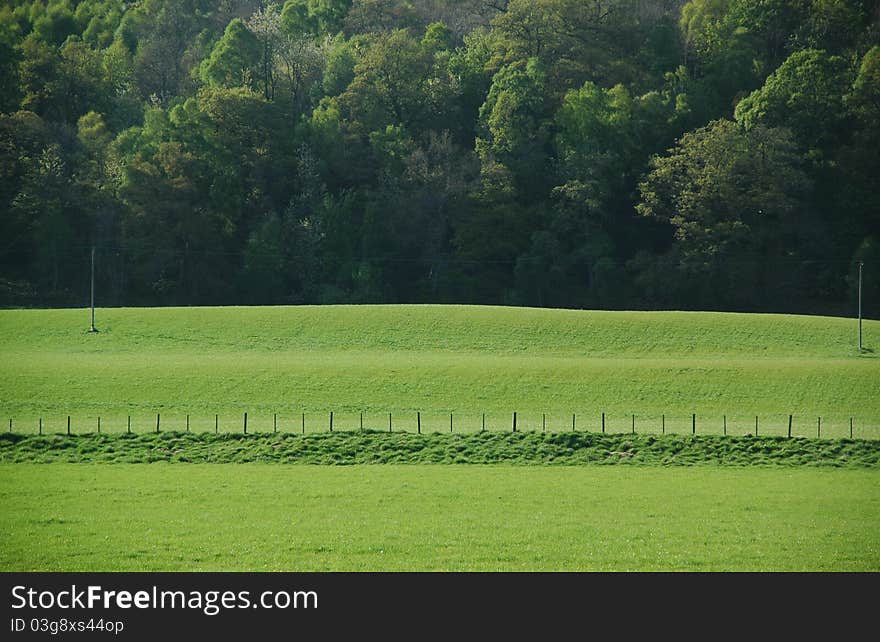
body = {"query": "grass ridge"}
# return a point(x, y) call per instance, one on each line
point(376, 447)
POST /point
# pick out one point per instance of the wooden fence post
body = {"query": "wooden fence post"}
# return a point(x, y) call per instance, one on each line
point(389, 422)
point(304, 424)
point(725, 425)
point(544, 422)
point(275, 422)
point(216, 424)
point(603, 423)
point(68, 424)
point(789, 425)
point(99, 425)
point(362, 421)
point(187, 423)
point(484, 423)
point(663, 423)
point(634, 423)
point(129, 424)
point(850, 428)
point(573, 422)
point(10, 424)
point(418, 422)
point(245, 423)
point(41, 425)
point(450, 422)
point(694, 424)
point(819, 428)
point(331, 421)
point(157, 423)
point(514, 422)
point(756, 425)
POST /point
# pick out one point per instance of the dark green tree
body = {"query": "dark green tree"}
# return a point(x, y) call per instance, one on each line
point(737, 201)
point(235, 59)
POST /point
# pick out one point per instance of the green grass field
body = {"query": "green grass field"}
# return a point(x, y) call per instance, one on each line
point(677, 502)
point(464, 360)
point(258, 517)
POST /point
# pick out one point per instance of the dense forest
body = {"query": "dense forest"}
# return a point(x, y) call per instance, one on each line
point(710, 154)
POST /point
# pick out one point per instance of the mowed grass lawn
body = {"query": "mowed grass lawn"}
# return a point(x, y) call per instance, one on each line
point(464, 360)
point(259, 517)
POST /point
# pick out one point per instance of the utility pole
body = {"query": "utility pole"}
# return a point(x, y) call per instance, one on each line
point(92, 328)
point(861, 263)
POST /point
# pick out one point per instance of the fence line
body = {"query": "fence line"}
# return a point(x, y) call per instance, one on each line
point(518, 422)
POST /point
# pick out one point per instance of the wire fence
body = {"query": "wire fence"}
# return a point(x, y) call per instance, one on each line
point(835, 426)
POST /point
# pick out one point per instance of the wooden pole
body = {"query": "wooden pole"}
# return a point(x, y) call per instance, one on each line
point(129, 423)
point(514, 422)
point(99, 425)
point(484, 422)
point(573, 422)
point(275, 422)
point(725, 424)
point(603, 422)
point(389, 422)
point(756, 425)
point(819, 428)
point(187, 423)
point(41, 425)
point(362, 421)
point(245, 423)
point(157, 423)
point(789, 425)
point(663, 424)
point(331, 421)
point(634, 424)
point(68, 424)
point(850, 428)
point(861, 264)
point(92, 326)
point(418, 422)
point(694, 424)
point(216, 424)
point(304, 424)
point(450, 422)
point(544, 422)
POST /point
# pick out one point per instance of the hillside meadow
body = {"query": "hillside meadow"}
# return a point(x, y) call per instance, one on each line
point(280, 363)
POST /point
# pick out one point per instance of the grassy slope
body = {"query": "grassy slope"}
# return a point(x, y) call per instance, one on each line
point(300, 518)
point(436, 359)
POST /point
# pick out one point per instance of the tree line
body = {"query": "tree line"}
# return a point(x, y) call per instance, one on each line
point(710, 154)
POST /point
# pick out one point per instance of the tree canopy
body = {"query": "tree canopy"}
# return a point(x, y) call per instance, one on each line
point(715, 154)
